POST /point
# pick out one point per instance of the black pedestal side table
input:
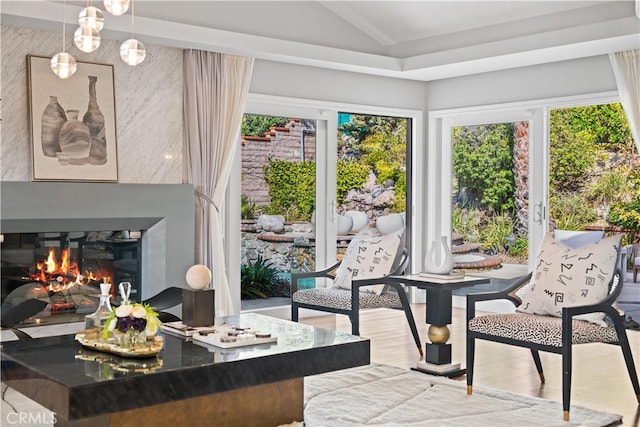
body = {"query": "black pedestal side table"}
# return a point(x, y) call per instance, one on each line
point(439, 307)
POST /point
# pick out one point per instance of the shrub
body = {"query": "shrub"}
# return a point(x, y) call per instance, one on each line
point(466, 221)
point(379, 143)
point(400, 203)
point(571, 211)
point(607, 123)
point(611, 186)
point(626, 215)
point(292, 188)
point(483, 164)
point(350, 175)
point(494, 236)
point(248, 209)
point(256, 279)
point(386, 153)
point(253, 125)
point(572, 152)
point(519, 248)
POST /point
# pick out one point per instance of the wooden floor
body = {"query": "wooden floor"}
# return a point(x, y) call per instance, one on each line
point(600, 379)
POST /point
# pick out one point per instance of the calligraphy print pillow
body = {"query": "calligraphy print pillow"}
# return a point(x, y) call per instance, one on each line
point(568, 277)
point(368, 258)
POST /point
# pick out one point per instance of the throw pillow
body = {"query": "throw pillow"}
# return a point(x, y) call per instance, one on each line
point(368, 257)
point(568, 277)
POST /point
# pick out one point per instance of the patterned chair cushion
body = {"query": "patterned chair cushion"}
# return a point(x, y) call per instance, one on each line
point(341, 298)
point(568, 277)
point(546, 330)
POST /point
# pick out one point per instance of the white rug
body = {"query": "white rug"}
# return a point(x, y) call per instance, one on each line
point(382, 395)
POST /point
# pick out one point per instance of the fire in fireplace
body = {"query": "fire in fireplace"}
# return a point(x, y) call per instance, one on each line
point(65, 269)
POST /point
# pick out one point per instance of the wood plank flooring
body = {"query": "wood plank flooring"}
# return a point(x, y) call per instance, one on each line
point(600, 379)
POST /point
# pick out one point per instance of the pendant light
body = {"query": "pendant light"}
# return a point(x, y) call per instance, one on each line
point(86, 39)
point(62, 64)
point(132, 51)
point(116, 7)
point(91, 17)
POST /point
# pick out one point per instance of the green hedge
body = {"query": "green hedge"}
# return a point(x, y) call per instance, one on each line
point(292, 188)
point(350, 175)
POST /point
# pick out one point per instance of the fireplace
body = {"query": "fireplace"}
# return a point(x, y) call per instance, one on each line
point(58, 247)
point(65, 269)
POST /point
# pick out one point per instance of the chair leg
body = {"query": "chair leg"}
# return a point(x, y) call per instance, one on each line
point(471, 349)
point(410, 319)
point(355, 311)
point(623, 341)
point(294, 311)
point(355, 323)
point(566, 380)
point(536, 360)
point(21, 334)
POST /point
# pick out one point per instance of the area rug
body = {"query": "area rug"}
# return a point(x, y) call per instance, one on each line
point(382, 395)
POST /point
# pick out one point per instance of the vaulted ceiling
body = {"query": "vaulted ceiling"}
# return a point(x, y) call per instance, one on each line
point(421, 40)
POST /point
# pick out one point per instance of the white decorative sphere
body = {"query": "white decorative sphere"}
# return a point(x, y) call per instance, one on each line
point(390, 223)
point(360, 220)
point(344, 224)
point(198, 276)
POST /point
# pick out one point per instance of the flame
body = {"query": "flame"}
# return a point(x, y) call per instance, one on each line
point(66, 273)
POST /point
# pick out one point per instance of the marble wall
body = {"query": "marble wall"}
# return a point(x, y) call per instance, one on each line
point(148, 106)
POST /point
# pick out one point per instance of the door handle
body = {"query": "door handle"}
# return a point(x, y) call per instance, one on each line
point(539, 212)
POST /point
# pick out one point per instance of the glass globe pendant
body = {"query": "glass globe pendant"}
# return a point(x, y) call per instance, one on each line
point(132, 52)
point(116, 7)
point(63, 65)
point(91, 17)
point(86, 39)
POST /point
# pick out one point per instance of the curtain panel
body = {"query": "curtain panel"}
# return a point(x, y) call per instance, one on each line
point(215, 94)
point(626, 67)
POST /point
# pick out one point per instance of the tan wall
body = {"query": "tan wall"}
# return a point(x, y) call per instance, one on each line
point(280, 144)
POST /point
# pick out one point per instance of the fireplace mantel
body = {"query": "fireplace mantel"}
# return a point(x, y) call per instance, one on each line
point(164, 211)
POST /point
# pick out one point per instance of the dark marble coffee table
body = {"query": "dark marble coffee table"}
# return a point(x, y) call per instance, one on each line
point(186, 382)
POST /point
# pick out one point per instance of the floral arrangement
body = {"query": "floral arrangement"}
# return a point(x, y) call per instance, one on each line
point(136, 317)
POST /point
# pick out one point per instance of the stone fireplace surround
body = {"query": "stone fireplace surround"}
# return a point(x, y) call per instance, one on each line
point(165, 212)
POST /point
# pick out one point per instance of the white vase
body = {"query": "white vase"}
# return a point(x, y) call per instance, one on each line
point(439, 259)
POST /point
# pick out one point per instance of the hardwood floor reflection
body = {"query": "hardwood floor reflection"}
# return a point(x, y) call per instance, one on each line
point(600, 379)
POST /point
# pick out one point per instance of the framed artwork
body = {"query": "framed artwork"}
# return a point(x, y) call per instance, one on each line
point(72, 123)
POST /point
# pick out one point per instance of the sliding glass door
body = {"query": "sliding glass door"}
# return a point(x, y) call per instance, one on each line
point(491, 198)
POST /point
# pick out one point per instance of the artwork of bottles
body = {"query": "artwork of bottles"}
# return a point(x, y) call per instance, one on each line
point(52, 120)
point(72, 141)
point(75, 141)
point(94, 119)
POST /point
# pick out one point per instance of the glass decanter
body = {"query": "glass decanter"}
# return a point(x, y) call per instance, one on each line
point(99, 317)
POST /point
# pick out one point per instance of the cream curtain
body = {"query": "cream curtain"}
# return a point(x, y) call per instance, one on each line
point(215, 93)
point(626, 67)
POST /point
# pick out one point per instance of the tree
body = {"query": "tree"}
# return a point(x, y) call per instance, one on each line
point(482, 164)
point(354, 132)
point(253, 125)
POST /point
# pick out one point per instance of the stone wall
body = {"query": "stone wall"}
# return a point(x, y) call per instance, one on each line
point(290, 252)
point(281, 143)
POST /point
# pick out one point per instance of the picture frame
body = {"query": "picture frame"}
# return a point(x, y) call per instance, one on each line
point(72, 122)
